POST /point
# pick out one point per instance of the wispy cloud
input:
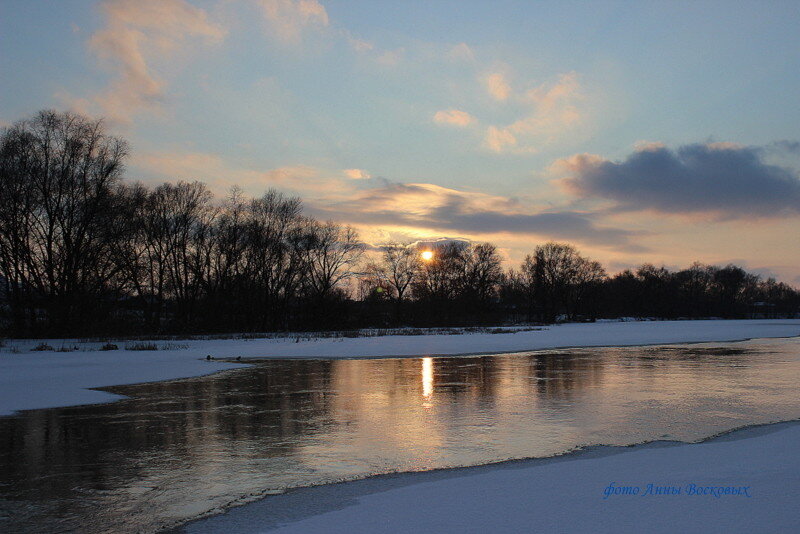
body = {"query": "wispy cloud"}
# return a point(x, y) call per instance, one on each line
point(288, 19)
point(723, 179)
point(134, 34)
point(359, 45)
point(357, 174)
point(497, 86)
point(453, 117)
point(786, 146)
point(498, 139)
point(461, 52)
point(551, 111)
point(221, 175)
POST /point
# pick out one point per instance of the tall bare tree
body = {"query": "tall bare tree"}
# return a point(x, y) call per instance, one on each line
point(330, 251)
point(59, 170)
point(557, 277)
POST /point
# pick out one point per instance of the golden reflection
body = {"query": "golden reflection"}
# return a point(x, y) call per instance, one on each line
point(427, 377)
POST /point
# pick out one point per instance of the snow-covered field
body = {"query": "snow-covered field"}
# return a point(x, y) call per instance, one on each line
point(30, 380)
point(566, 494)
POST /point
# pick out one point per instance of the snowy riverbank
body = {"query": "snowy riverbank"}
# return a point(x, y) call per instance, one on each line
point(754, 473)
point(30, 380)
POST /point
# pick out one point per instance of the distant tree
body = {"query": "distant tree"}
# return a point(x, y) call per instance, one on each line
point(275, 256)
point(514, 295)
point(585, 288)
point(329, 253)
point(391, 277)
point(175, 225)
point(694, 285)
point(82, 253)
point(657, 291)
point(482, 273)
point(734, 287)
point(558, 280)
point(551, 270)
point(440, 278)
point(399, 266)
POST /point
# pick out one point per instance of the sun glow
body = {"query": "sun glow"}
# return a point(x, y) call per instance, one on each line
point(427, 255)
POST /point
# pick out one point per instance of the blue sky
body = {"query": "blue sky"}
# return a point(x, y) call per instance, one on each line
point(419, 120)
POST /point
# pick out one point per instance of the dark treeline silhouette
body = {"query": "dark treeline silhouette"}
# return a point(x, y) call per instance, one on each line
point(83, 253)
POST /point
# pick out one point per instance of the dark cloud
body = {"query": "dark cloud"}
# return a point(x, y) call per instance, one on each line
point(568, 225)
point(447, 210)
point(725, 179)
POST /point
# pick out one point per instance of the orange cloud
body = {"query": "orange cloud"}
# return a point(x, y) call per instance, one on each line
point(497, 86)
point(135, 33)
point(220, 175)
point(288, 19)
point(453, 117)
point(433, 209)
point(357, 174)
point(552, 112)
point(498, 139)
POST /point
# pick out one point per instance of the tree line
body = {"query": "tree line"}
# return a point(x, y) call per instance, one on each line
point(85, 253)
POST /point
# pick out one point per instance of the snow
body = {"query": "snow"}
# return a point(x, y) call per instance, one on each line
point(562, 494)
point(45, 379)
point(31, 380)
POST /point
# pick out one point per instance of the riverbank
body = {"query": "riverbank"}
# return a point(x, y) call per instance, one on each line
point(742, 481)
point(33, 380)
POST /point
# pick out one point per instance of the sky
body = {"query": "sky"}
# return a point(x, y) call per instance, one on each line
point(661, 132)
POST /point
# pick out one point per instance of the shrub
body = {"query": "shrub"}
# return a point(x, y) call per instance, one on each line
point(174, 346)
point(42, 347)
point(109, 346)
point(141, 345)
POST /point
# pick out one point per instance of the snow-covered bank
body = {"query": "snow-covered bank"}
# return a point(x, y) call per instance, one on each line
point(755, 473)
point(30, 380)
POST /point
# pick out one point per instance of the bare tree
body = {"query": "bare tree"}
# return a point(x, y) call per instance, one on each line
point(82, 252)
point(275, 255)
point(60, 245)
point(329, 252)
point(440, 278)
point(393, 276)
point(481, 272)
point(400, 265)
point(584, 288)
point(557, 277)
point(174, 230)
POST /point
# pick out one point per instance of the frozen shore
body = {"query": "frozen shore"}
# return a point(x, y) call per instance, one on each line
point(31, 380)
point(744, 481)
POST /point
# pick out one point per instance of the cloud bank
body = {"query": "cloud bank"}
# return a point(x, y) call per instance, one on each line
point(724, 179)
point(436, 208)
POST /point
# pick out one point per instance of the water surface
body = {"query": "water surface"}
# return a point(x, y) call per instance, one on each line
point(176, 450)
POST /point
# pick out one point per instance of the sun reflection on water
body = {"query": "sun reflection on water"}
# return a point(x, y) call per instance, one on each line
point(427, 379)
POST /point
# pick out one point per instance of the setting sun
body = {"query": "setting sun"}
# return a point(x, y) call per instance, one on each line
point(427, 255)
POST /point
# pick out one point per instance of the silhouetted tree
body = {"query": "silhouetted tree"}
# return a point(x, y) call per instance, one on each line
point(82, 253)
point(58, 175)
